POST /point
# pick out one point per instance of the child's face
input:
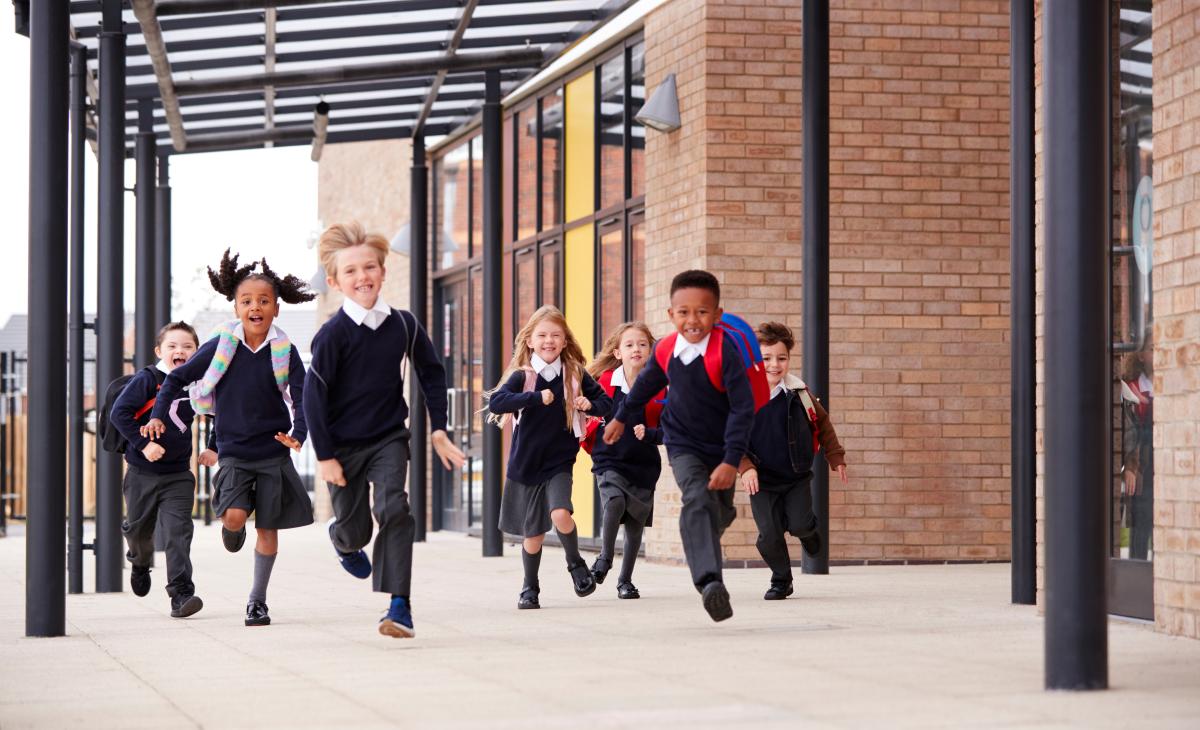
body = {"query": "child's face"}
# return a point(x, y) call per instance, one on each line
point(256, 306)
point(547, 340)
point(633, 349)
point(776, 360)
point(694, 312)
point(177, 347)
point(359, 275)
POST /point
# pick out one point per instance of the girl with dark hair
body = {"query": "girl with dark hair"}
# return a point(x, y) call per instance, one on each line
point(250, 376)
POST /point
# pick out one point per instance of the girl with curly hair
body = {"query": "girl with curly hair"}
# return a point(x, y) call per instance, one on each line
point(250, 376)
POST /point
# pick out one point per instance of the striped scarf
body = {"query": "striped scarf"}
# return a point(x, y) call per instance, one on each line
point(203, 390)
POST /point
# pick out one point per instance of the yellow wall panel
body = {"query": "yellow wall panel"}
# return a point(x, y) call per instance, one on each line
point(580, 170)
point(580, 277)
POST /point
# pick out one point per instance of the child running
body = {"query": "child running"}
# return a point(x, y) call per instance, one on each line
point(627, 471)
point(705, 430)
point(546, 391)
point(777, 469)
point(251, 377)
point(159, 481)
point(355, 409)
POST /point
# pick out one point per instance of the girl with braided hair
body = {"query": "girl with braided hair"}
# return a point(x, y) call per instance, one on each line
point(250, 376)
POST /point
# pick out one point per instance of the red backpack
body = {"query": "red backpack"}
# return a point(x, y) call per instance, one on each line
point(653, 411)
point(743, 337)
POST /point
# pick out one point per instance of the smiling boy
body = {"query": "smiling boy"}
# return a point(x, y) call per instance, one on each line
point(706, 431)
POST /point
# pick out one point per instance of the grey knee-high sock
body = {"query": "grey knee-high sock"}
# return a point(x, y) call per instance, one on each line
point(570, 543)
point(633, 543)
point(608, 527)
point(531, 562)
point(262, 575)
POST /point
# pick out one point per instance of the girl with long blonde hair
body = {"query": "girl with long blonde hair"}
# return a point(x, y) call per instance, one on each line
point(626, 471)
point(547, 394)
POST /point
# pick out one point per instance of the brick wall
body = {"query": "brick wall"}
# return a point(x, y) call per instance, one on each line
point(919, 247)
point(1177, 318)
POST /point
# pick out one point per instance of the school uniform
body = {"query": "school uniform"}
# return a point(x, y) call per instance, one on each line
point(256, 472)
point(781, 448)
point(165, 488)
point(544, 446)
point(702, 428)
point(356, 412)
point(627, 471)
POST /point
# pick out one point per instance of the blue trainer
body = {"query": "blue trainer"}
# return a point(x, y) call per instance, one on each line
point(356, 563)
point(398, 623)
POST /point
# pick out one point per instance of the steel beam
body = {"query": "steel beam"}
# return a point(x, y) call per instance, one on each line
point(46, 475)
point(493, 341)
point(418, 261)
point(75, 356)
point(161, 67)
point(815, 78)
point(464, 20)
point(145, 319)
point(1078, 411)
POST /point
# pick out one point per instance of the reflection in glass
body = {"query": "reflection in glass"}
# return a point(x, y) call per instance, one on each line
point(612, 281)
point(454, 175)
point(527, 286)
point(637, 131)
point(527, 171)
point(552, 162)
point(476, 195)
point(637, 251)
point(551, 261)
point(612, 132)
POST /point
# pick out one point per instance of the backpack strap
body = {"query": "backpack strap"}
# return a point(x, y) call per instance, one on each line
point(663, 350)
point(807, 401)
point(605, 381)
point(159, 377)
point(713, 360)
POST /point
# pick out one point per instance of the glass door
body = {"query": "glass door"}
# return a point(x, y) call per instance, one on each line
point(451, 313)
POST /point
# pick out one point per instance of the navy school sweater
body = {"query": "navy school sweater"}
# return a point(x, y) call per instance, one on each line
point(699, 419)
point(769, 444)
point(354, 391)
point(249, 408)
point(542, 443)
point(178, 444)
point(637, 461)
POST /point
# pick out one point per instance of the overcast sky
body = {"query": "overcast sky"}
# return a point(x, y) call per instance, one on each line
point(259, 202)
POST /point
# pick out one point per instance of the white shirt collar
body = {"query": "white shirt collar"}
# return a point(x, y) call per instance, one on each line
point(239, 332)
point(780, 387)
point(548, 370)
point(618, 379)
point(162, 366)
point(372, 317)
point(686, 351)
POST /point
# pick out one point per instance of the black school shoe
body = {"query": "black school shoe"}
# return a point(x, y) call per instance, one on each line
point(627, 590)
point(811, 544)
point(600, 570)
point(778, 592)
point(528, 599)
point(233, 540)
point(716, 601)
point(582, 580)
point(139, 580)
point(256, 614)
point(183, 606)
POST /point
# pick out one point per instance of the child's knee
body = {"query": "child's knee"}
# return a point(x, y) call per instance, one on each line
point(533, 544)
point(562, 520)
point(267, 541)
point(234, 519)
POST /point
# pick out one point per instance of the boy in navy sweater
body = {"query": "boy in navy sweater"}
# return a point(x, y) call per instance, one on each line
point(705, 431)
point(777, 469)
point(355, 407)
point(159, 479)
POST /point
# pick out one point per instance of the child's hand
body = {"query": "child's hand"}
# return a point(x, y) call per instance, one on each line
point(452, 457)
point(750, 480)
point(153, 452)
point(288, 441)
point(582, 404)
point(722, 477)
point(208, 457)
point(153, 429)
point(639, 431)
point(841, 470)
point(330, 472)
point(547, 396)
point(613, 431)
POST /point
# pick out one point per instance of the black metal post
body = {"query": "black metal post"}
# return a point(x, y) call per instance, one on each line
point(1023, 328)
point(145, 194)
point(162, 242)
point(493, 305)
point(815, 45)
point(110, 308)
point(418, 257)
point(75, 355)
point(45, 538)
point(1078, 415)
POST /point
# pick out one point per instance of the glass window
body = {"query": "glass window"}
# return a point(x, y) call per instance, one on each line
point(552, 159)
point(526, 286)
point(612, 132)
point(477, 386)
point(637, 252)
point(476, 195)
point(527, 173)
point(612, 279)
point(454, 177)
point(637, 132)
point(506, 236)
point(551, 263)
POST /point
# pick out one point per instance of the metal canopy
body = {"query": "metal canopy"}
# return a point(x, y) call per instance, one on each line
point(249, 74)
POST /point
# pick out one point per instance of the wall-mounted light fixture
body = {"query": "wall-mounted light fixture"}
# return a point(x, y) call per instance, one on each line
point(661, 110)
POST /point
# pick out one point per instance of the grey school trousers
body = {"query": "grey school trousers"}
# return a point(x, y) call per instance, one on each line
point(703, 517)
point(384, 466)
point(781, 508)
point(167, 496)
